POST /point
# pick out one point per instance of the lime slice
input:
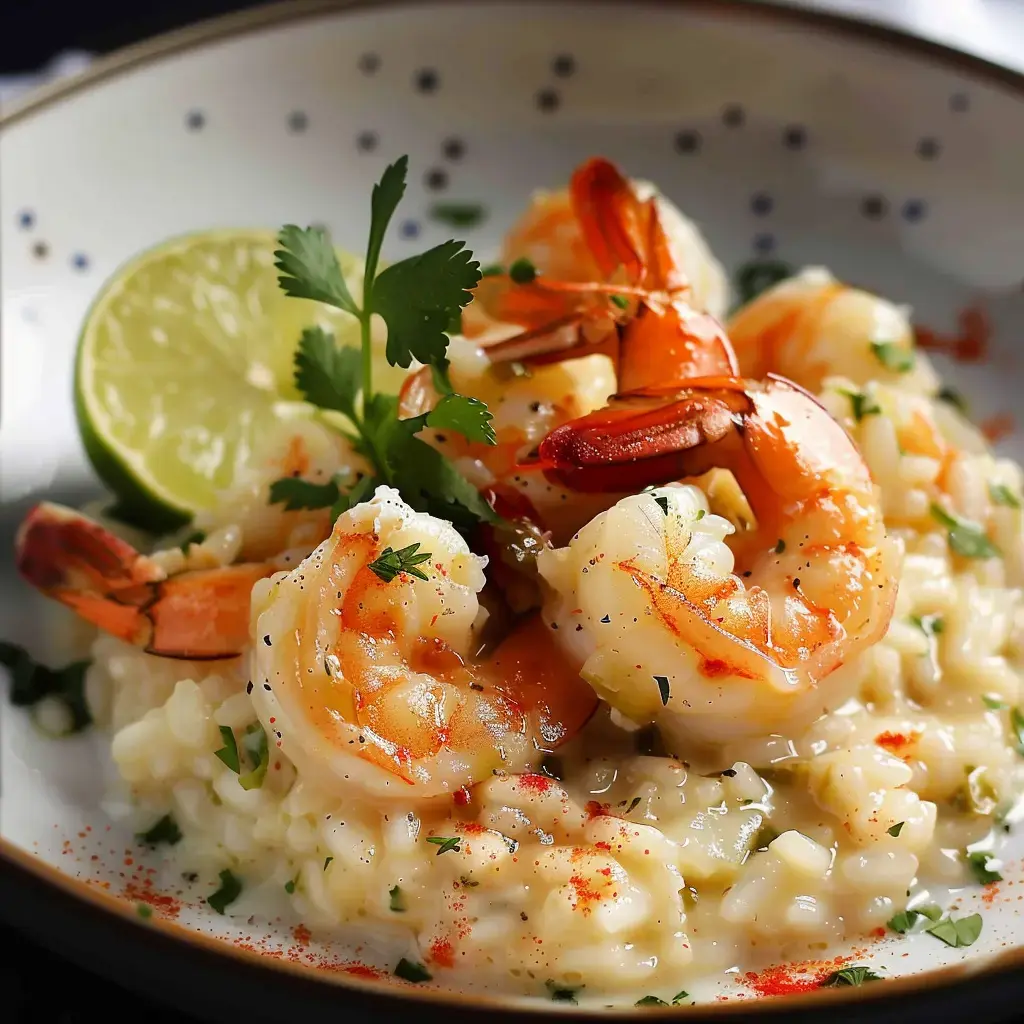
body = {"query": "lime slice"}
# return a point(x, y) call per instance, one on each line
point(185, 361)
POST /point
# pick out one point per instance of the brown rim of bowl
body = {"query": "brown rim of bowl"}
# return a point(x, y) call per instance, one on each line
point(285, 12)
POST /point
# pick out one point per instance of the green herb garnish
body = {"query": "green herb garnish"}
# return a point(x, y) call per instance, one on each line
point(32, 682)
point(397, 903)
point(679, 997)
point(388, 564)
point(930, 625)
point(979, 862)
point(896, 829)
point(1017, 725)
point(1002, 495)
point(953, 397)
point(757, 276)
point(957, 932)
point(780, 546)
point(229, 752)
point(164, 831)
point(295, 493)
point(662, 502)
point(419, 299)
point(861, 403)
point(850, 976)
point(650, 1001)
point(563, 993)
point(229, 891)
point(522, 271)
point(663, 689)
point(196, 537)
point(258, 751)
point(893, 357)
point(445, 843)
point(621, 301)
point(409, 970)
point(994, 703)
point(327, 862)
point(766, 835)
point(289, 886)
point(966, 538)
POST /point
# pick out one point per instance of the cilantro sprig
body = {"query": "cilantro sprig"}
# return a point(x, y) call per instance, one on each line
point(418, 298)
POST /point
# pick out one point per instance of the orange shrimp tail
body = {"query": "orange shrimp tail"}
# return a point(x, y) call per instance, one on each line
point(648, 436)
point(675, 345)
point(195, 615)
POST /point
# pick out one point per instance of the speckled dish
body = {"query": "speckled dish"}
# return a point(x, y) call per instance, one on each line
point(787, 136)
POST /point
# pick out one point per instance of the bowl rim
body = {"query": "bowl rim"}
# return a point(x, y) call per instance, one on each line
point(244, 22)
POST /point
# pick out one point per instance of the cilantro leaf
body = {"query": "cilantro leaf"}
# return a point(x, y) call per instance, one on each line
point(259, 756)
point(295, 493)
point(362, 491)
point(994, 703)
point(662, 502)
point(850, 976)
point(326, 374)
point(1002, 495)
point(862, 404)
point(445, 843)
point(906, 919)
point(469, 416)
point(522, 271)
point(966, 538)
point(757, 276)
point(32, 682)
point(650, 1001)
point(384, 200)
point(229, 752)
point(389, 563)
point(896, 829)
point(310, 269)
point(417, 298)
point(979, 862)
point(893, 357)
point(397, 903)
point(680, 996)
point(957, 932)
point(229, 891)
point(164, 831)
point(409, 970)
point(439, 377)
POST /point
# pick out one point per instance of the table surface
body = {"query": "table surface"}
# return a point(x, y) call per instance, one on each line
point(993, 29)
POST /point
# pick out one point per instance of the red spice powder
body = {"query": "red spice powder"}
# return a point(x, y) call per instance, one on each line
point(442, 953)
point(357, 970)
point(586, 894)
point(461, 797)
point(989, 894)
point(894, 742)
point(995, 428)
point(302, 934)
point(595, 809)
point(788, 979)
point(533, 783)
point(144, 893)
point(470, 828)
point(607, 847)
point(970, 343)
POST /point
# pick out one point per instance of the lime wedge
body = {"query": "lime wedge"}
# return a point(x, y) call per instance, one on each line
point(185, 361)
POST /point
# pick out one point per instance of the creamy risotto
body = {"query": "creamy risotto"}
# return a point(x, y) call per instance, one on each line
point(734, 676)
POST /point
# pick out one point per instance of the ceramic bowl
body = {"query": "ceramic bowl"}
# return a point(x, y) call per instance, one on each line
point(786, 136)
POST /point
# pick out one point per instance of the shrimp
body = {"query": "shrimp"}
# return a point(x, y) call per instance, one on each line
point(636, 304)
point(810, 327)
point(673, 613)
point(197, 615)
point(370, 683)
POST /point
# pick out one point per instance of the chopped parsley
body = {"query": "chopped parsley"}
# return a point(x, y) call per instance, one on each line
point(780, 546)
point(1017, 725)
point(410, 970)
point(896, 829)
point(388, 564)
point(229, 891)
point(144, 910)
point(458, 215)
point(397, 902)
point(662, 502)
point(164, 831)
point(419, 299)
point(979, 862)
point(893, 357)
point(930, 625)
point(32, 682)
point(522, 271)
point(906, 919)
point(850, 976)
point(619, 300)
point(445, 843)
point(994, 703)
point(295, 493)
point(327, 862)
point(650, 1001)
point(289, 886)
point(953, 397)
point(196, 537)
point(257, 749)
point(563, 993)
point(966, 538)
point(1002, 495)
point(663, 689)
point(957, 931)
point(492, 270)
point(679, 997)
point(765, 836)
point(861, 403)
point(229, 752)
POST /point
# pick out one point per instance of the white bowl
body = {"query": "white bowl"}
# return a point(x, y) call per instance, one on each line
point(896, 163)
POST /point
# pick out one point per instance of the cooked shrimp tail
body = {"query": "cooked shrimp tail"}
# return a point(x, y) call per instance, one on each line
point(197, 615)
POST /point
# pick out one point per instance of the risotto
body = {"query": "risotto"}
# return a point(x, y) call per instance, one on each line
point(759, 700)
